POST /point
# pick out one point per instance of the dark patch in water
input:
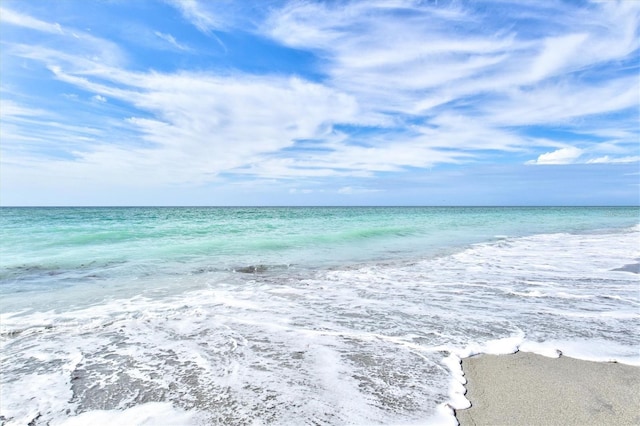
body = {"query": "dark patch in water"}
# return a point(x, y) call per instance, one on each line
point(251, 269)
point(260, 268)
point(35, 328)
point(634, 268)
point(207, 269)
point(36, 272)
point(248, 269)
point(33, 421)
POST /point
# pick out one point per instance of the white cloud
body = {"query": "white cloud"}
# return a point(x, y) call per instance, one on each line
point(172, 41)
point(202, 17)
point(562, 102)
point(432, 95)
point(9, 16)
point(573, 155)
point(555, 54)
point(349, 190)
point(561, 156)
point(83, 44)
point(400, 67)
point(210, 123)
point(9, 108)
point(386, 61)
point(608, 160)
point(198, 15)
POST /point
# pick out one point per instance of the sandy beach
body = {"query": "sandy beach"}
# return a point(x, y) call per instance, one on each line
point(529, 389)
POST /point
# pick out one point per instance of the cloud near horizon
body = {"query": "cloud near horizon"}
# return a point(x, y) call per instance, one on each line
point(329, 96)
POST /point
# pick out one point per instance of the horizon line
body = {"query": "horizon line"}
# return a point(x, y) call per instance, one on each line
point(335, 206)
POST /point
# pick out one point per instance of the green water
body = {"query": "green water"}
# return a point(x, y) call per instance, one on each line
point(46, 246)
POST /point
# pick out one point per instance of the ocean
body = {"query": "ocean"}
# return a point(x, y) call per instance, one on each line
point(292, 316)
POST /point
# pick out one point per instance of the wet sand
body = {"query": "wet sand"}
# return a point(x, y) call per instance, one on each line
point(528, 389)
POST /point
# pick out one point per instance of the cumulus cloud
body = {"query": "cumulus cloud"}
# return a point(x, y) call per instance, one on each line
point(573, 155)
point(561, 156)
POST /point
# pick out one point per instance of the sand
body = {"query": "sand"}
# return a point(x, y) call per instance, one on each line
point(529, 389)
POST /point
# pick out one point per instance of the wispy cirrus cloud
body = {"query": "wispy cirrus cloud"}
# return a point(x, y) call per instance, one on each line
point(13, 17)
point(172, 41)
point(82, 43)
point(608, 160)
point(200, 15)
point(518, 74)
point(210, 123)
point(204, 17)
point(396, 86)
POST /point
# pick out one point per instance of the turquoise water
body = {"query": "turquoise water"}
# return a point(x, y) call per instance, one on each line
point(58, 246)
point(234, 314)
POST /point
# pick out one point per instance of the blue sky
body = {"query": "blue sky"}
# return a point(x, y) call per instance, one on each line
point(379, 102)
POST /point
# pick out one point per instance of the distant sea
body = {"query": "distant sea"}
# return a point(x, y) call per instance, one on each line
point(324, 316)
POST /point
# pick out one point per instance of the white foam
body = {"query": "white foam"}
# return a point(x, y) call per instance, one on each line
point(545, 349)
point(149, 414)
point(504, 346)
point(457, 399)
point(21, 406)
point(589, 350)
point(350, 346)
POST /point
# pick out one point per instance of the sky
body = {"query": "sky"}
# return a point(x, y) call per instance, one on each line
point(376, 102)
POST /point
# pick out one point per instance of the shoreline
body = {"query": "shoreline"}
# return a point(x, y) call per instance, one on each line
point(529, 389)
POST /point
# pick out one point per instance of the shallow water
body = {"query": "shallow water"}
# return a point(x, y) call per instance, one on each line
point(298, 315)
